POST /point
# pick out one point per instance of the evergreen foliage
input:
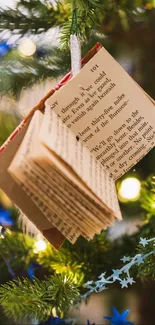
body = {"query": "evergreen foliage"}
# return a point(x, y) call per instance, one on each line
point(8, 123)
point(39, 16)
point(64, 262)
point(148, 196)
point(33, 16)
point(17, 250)
point(120, 20)
point(147, 270)
point(23, 300)
point(18, 73)
point(67, 270)
point(84, 14)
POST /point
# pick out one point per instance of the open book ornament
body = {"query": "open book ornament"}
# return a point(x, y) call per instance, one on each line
point(67, 187)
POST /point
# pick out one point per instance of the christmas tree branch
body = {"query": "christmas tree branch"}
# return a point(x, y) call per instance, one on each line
point(123, 274)
point(148, 196)
point(86, 16)
point(36, 16)
point(8, 123)
point(17, 72)
point(32, 16)
point(25, 300)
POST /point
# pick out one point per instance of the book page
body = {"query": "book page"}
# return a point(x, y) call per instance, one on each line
point(55, 193)
point(20, 170)
point(108, 112)
point(71, 210)
point(88, 207)
point(40, 192)
point(58, 138)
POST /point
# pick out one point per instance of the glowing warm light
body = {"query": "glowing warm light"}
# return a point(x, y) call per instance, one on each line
point(27, 47)
point(153, 205)
point(130, 189)
point(40, 246)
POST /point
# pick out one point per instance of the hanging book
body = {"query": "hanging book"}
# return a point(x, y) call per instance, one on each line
point(61, 164)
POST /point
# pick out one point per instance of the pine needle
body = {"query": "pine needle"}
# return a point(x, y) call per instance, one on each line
point(23, 300)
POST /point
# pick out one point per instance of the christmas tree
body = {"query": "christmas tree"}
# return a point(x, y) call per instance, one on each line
point(39, 283)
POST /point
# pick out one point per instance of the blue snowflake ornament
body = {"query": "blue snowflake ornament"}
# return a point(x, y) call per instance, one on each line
point(4, 48)
point(31, 270)
point(5, 218)
point(122, 275)
point(54, 321)
point(119, 319)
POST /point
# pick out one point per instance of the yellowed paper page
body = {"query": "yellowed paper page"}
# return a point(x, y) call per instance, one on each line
point(90, 208)
point(59, 139)
point(110, 114)
point(19, 169)
point(60, 202)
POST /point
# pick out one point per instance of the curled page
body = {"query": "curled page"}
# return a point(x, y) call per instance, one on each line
point(58, 138)
point(25, 173)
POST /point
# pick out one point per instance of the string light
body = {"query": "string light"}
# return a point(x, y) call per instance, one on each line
point(129, 189)
point(40, 246)
point(27, 47)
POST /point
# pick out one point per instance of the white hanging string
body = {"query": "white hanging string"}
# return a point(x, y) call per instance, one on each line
point(75, 48)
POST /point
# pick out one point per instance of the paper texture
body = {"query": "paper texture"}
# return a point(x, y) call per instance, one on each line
point(21, 170)
point(7, 152)
point(63, 197)
point(108, 112)
point(101, 124)
point(58, 138)
point(18, 195)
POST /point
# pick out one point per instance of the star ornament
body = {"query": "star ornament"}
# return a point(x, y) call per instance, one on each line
point(124, 284)
point(116, 274)
point(89, 284)
point(140, 259)
point(126, 259)
point(130, 280)
point(102, 276)
point(143, 242)
point(119, 319)
point(100, 288)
